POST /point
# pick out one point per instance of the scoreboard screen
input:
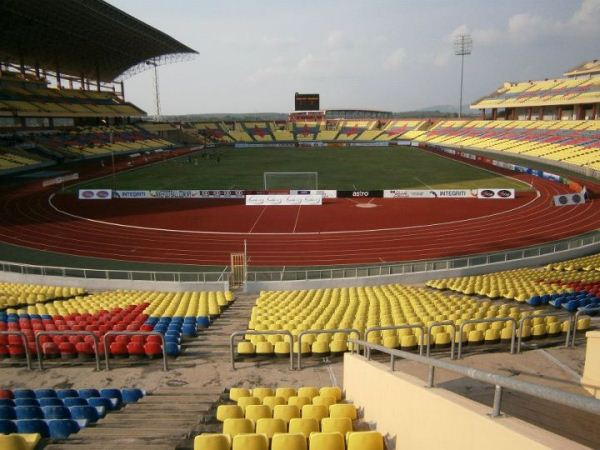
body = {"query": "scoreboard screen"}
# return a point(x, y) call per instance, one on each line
point(307, 102)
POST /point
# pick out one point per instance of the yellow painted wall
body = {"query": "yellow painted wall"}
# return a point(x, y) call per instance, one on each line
point(591, 371)
point(415, 417)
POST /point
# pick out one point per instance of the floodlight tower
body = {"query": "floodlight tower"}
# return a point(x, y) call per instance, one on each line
point(463, 45)
point(156, 90)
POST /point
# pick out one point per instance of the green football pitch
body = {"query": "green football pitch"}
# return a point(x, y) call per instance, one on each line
point(364, 168)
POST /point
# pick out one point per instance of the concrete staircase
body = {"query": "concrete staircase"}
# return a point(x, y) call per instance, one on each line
point(159, 421)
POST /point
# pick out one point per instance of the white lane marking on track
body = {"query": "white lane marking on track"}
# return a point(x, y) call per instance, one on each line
point(297, 217)
point(257, 219)
point(307, 233)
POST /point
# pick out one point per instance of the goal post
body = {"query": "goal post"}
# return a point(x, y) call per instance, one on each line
point(291, 180)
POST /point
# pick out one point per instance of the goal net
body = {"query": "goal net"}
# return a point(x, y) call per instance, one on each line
point(291, 180)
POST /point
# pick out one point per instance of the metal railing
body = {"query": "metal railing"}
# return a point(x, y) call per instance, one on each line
point(398, 327)
point(576, 319)
point(581, 402)
point(488, 320)
point(442, 323)
point(427, 266)
point(321, 331)
point(530, 317)
point(115, 274)
point(135, 333)
point(25, 344)
point(39, 350)
point(258, 333)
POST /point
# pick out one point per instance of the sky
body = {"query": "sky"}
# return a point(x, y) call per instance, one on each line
point(393, 55)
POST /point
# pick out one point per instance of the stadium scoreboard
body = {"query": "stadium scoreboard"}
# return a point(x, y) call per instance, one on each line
point(307, 102)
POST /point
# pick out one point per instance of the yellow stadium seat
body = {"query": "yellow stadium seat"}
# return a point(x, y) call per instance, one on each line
point(343, 410)
point(233, 427)
point(273, 401)
point(324, 400)
point(365, 440)
point(304, 426)
point(229, 412)
point(316, 412)
point(285, 392)
point(299, 401)
point(286, 412)
point(332, 391)
point(247, 401)
point(235, 393)
point(308, 391)
point(270, 426)
point(289, 441)
point(255, 412)
point(250, 442)
point(209, 441)
point(27, 441)
point(327, 441)
point(336, 424)
point(262, 392)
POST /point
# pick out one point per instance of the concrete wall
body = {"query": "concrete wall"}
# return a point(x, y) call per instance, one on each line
point(591, 371)
point(412, 416)
point(94, 283)
point(253, 287)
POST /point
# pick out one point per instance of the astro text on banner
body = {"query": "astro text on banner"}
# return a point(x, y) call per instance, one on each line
point(95, 194)
point(496, 193)
point(283, 200)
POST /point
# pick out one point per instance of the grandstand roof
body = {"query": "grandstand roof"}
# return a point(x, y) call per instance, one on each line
point(82, 37)
point(587, 68)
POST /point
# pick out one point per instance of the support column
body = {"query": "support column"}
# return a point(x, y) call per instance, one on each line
point(590, 380)
point(97, 78)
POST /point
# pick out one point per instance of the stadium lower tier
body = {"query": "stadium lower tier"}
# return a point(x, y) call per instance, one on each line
point(408, 311)
point(27, 416)
point(175, 315)
point(286, 418)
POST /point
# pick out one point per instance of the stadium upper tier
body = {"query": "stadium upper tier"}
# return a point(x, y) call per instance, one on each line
point(26, 96)
point(560, 91)
point(575, 142)
point(329, 130)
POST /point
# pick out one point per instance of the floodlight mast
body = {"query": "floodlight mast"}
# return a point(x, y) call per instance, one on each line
point(156, 90)
point(463, 46)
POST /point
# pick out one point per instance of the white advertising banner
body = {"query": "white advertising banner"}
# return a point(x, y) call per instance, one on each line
point(569, 199)
point(430, 193)
point(283, 200)
point(95, 194)
point(180, 194)
point(496, 193)
point(60, 180)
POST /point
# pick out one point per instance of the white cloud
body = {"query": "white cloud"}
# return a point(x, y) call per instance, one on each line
point(441, 59)
point(272, 41)
point(337, 39)
point(395, 59)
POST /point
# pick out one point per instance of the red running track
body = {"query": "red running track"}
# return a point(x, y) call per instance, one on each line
point(340, 232)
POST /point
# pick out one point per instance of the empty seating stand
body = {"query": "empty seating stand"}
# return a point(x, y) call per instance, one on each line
point(272, 418)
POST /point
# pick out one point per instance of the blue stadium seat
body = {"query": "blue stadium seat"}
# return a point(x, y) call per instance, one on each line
point(7, 427)
point(62, 428)
point(7, 402)
point(131, 395)
point(107, 403)
point(56, 412)
point(23, 393)
point(88, 393)
point(45, 393)
point(50, 402)
point(7, 413)
point(33, 426)
point(75, 401)
point(26, 402)
point(29, 412)
point(88, 413)
point(66, 393)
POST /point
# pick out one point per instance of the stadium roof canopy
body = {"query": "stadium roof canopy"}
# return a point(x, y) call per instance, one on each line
point(89, 38)
point(587, 68)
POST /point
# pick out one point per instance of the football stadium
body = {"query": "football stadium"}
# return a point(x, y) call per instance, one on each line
point(319, 279)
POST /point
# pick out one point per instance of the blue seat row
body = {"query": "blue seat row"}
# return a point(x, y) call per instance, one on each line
point(127, 395)
point(571, 301)
point(109, 404)
point(81, 412)
point(54, 428)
